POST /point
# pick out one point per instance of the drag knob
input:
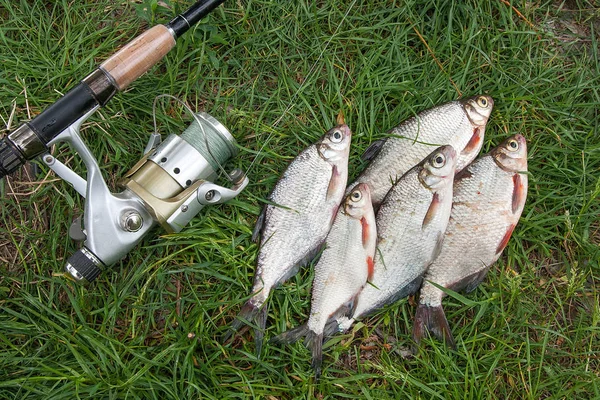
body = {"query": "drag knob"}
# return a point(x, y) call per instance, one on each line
point(84, 266)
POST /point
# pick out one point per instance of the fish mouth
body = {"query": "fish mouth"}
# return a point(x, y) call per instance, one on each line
point(478, 116)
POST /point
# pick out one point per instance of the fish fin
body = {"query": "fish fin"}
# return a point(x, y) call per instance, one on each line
point(474, 142)
point(370, 268)
point(366, 229)
point(470, 283)
point(409, 289)
point(505, 239)
point(334, 182)
point(341, 120)
point(334, 214)
point(331, 328)
point(519, 194)
point(465, 173)
point(433, 209)
point(438, 246)
point(259, 224)
point(432, 320)
point(249, 314)
point(259, 331)
point(374, 149)
point(245, 316)
point(315, 342)
point(290, 336)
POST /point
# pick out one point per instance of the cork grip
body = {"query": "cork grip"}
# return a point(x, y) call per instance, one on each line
point(139, 55)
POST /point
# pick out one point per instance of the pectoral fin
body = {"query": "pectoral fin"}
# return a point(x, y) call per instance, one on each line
point(474, 142)
point(365, 231)
point(519, 194)
point(371, 268)
point(334, 182)
point(505, 239)
point(431, 212)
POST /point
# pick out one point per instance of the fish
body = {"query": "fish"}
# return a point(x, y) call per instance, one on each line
point(489, 196)
point(459, 123)
point(294, 223)
point(411, 222)
point(342, 271)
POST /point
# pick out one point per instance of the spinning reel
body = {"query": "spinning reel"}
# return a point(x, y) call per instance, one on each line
point(168, 186)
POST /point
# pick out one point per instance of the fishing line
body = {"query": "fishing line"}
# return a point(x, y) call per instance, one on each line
point(215, 146)
point(303, 85)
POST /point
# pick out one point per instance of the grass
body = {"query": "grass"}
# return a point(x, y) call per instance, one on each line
point(277, 74)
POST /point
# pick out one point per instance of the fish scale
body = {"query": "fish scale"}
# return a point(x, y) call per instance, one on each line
point(489, 197)
point(297, 215)
point(335, 267)
point(410, 224)
point(459, 123)
point(342, 270)
point(294, 225)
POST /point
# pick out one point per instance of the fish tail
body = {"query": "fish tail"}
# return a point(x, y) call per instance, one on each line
point(315, 343)
point(249, 314)
point(432, 320)
point(291, 336)
point(259, 330)
point(332, 327)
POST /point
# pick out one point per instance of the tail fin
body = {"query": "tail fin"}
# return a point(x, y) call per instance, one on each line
point(291, 336)
point(433, 320)
point(335, 326)
point(315, 343)
point(250, 314)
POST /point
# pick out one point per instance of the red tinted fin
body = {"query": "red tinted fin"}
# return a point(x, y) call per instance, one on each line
point(433, 207)
point(474, 142)
point(335, 210)
point(518, 193)
point(432, 320)
point(365, 230)
point(333, 182)
point(371, 267)
point(505, 239)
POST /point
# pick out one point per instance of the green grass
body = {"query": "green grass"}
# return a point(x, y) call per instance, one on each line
point(277, 74)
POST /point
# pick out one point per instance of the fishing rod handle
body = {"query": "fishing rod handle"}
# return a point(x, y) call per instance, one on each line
point(138, 56)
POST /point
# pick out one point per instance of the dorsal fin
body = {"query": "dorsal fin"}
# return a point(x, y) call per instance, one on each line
point(374, 149)
point(259, 224)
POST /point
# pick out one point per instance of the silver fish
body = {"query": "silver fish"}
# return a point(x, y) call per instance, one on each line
point(411, 223)
point(342, 270)
point(489, 196)
point(460, 124)
point(294, 226)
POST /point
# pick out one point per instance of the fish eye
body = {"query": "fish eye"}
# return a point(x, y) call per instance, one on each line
point(439, 160)
point(482, 102)
point(513, 145)
point(356, 195)
point(336, 136)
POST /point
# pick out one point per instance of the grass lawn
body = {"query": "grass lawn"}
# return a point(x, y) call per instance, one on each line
point(277, 74)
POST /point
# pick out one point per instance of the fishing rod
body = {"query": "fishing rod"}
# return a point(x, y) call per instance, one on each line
point(31, 139)
point(170, 184)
